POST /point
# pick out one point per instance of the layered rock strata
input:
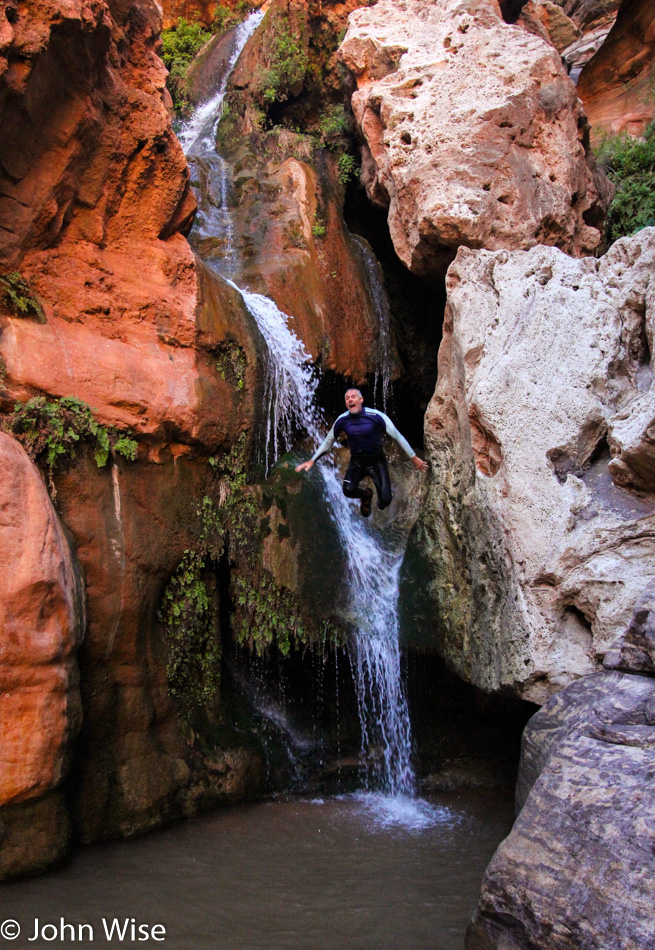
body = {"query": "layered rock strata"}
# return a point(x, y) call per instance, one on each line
point(616, 85)
point(473, 133)
point(538, 534)
point(578, 868)
point(41, 624)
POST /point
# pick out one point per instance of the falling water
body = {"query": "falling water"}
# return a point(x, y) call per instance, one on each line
point(373, 561)
point(210, 171)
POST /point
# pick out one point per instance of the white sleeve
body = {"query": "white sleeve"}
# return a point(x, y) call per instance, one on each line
point(395, 434)
point(325, 445)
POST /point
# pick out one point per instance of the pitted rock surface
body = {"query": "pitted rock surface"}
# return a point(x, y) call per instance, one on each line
point(472, 129)
point(545, 545)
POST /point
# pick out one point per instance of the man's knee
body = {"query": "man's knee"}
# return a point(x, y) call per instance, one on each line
point(349, 489)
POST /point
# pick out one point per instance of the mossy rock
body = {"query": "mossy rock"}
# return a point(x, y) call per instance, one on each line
point(300, 498)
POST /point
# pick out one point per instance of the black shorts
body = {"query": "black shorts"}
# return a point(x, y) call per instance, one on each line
point(375, 468)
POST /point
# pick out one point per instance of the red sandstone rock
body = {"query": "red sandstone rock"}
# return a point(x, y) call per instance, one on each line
point(473, 132)
point(203, 10)
point(616, 85)
point(95, 195)
point(41, 622)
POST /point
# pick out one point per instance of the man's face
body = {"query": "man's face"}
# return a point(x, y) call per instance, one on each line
point(354, 401)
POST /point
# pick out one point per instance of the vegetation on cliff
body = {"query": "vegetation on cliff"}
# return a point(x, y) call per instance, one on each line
point(19, 298)
point(294, 90)
point(53, 430)
point(630, 165)
point(232, 527)
point(182, 42)
point(180, 45)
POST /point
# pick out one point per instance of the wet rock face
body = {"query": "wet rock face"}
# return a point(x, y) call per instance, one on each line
point(95, 200)
point(616, 85)
point(537, 531)
point(472, 132)
point(42, 622)
point(578, 867)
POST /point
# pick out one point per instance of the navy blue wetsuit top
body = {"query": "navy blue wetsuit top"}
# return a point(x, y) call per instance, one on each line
point(364, 431)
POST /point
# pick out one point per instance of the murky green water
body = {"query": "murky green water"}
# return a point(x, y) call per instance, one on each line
point(356, 873)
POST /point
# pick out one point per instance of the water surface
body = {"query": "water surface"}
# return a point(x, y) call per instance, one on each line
point(352, 873)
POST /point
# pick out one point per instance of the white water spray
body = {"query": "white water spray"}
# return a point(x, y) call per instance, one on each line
point(373, 562)
point(211, 171)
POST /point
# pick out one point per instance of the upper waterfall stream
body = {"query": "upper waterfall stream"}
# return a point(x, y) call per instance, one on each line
point(373, 558)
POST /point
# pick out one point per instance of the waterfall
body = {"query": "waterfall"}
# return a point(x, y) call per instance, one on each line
point(209, 170)
point(373, 559)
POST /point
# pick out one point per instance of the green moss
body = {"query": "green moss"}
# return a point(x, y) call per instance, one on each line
point(189, 615)
point(228, 133)
point(19, 298)
point(231, 363)
point(50, 431)
point(630, 165)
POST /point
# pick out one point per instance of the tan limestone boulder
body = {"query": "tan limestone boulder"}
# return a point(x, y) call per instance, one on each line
point(472, 130)
point(41, 624)
point(537, 554)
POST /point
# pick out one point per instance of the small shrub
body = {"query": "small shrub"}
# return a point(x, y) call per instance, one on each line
point(19, 298)
point(333, 127)
point(630, 166)
point(319, 228)
point(50, 431)
point(347, 166)
point(288, 67)
point(179, 46)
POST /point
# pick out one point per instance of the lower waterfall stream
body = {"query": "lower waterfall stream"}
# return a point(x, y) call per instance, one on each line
point(373, 561)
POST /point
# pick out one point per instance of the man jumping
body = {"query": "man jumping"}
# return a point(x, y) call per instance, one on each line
point(364, 429)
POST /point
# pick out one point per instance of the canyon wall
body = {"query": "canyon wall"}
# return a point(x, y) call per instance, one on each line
point(538, 526)
point(616, 85)
point(42, 622)
point(95, 200)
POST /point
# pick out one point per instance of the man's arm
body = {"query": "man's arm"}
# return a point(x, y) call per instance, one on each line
point(323, 449)
point(403, 443)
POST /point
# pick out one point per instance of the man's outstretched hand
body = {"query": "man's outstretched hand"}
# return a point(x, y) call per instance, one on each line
point(304, 466)
point(418, 463)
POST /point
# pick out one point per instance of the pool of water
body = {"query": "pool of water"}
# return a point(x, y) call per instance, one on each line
point(357, 872)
